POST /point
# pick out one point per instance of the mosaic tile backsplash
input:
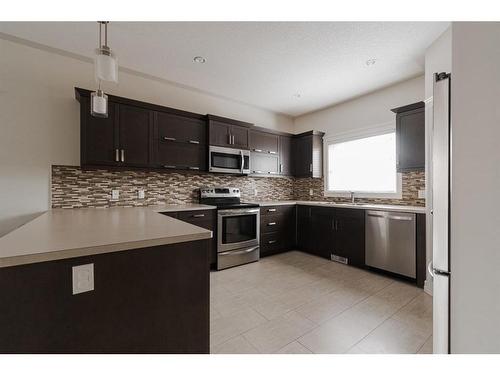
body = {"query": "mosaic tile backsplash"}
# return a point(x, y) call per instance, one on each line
point(73, 187)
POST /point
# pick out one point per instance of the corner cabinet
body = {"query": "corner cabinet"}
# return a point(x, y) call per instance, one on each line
point(410, 137)
point(307, 154)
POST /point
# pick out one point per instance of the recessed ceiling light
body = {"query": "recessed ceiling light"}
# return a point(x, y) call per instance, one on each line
point(200, 59)
point(371, 62)
point(297, 95)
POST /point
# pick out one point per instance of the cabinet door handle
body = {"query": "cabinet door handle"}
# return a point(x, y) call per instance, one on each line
point(233, 139)
point(169, 166)
point(122, 155)
point(194, 168)
point(229, 138)
point(310, 167)
point(281, 168)
point(117, 155)
point(194, 142)
point(257, 171)
point(272, 152)
point(257, 150)
point(199, 215)
point(271, 241)
point(271, 210)
point(169, 139)
point(272, 172)
point(271, 223)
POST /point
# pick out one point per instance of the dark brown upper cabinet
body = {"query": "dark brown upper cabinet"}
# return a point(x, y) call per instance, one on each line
point(181, 142)
point(285, 152)
point(410, 137)
point(135, 136)
point(260, 141)
point(307, 154)
point(227, 132)
point(99, 136)
point(264, 164)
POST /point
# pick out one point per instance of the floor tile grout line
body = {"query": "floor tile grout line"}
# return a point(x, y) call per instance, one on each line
point(389, 317)
point(421, 346)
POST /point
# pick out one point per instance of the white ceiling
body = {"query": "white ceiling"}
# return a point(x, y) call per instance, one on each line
point(260, 63)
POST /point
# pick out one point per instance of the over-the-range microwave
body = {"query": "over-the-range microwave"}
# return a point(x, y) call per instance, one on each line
point(228, 160)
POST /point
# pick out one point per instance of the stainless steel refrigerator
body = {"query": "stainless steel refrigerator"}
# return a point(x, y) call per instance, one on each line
point(441, 189)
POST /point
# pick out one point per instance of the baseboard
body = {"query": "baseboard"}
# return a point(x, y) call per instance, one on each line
point(428, 287)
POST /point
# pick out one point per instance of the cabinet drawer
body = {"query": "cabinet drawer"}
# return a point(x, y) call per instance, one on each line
point(197, 215)
point(177, 155)
point(273, 242)
point(273, 223)
point(277, 210)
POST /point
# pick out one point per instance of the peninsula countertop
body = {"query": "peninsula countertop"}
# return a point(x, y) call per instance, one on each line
point(68, 233)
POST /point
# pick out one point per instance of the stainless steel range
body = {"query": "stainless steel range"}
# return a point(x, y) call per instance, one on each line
point(238, 226)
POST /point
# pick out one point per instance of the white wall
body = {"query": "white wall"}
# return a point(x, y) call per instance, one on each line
point(437, 59)
point(475, 217)
point(39, 120)
point(363, 112)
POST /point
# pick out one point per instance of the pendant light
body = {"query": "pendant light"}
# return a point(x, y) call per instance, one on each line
point(106, 69)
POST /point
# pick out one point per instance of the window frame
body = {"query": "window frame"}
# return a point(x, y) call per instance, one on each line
point(352, 136)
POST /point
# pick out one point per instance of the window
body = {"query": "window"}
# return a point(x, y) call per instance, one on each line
point(366, 166)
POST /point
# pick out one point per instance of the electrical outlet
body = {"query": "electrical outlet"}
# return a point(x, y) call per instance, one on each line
point(83, 278)
point(421, 194)
point(115, 195)
point(141, 194)
point(255, 192)
point(311, 192)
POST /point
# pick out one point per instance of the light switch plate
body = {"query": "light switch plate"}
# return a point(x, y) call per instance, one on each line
point(311, 192)
point(83, 278)
point(421, 194)
point(115, 195)
point(140, 194)
point(255, 192)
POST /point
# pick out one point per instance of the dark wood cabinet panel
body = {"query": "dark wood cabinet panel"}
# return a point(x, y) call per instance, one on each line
point(285, 152)
point(240, 136)
point(421, 250)
point(180, 129)
point(149, 300)
point(177, 155)
point(323, 235)
point(99, 136)
point(135, 134)
point(307, 151)
point(304, 228)
point(410, 137)
point(219, 133)
point(260, 141)
point(264, 164)
point(350, 235)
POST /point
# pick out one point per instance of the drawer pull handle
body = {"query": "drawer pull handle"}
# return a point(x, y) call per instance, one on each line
point(271, 241)
point(257, 171)
point(271, 223)
point(271, 210)
point(194, 142)
point(169, 166)
point(257, 150)
point(169, 139)
point(194, 168)
point(199, 215)
point(272, 152)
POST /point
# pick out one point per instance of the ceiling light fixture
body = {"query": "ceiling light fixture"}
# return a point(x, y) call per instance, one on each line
point(371, 62)
point(297, 95)
point(200, 59)
point(106, 69)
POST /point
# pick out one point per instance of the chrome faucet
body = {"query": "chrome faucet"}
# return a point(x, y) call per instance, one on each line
point(352, 197)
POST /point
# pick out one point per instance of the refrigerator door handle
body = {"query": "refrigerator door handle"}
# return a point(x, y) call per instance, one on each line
point(431, 270)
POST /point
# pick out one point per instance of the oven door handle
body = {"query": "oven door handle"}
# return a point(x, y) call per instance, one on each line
point(238, 212)
point(239, 252)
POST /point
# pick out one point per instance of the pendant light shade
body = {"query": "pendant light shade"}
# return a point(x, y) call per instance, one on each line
point(99, 104)
point(106, 65)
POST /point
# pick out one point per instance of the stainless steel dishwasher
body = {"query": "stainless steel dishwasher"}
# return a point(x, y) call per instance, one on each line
point(391, 242)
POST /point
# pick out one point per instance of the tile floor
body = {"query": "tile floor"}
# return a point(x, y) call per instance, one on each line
point(298, 303)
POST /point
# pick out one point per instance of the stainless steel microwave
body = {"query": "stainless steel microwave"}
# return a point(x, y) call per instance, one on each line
point(228, 160)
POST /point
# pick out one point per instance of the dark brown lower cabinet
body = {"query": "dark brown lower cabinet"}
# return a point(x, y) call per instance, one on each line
point(203, 218)
point(149, 300)
point(349, 235)
point(421, 251)
point(277, 229)
point(304, 228)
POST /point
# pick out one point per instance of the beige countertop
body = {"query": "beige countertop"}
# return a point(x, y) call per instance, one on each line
point(69, 233)
point(181, 207)
point(367, 206)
